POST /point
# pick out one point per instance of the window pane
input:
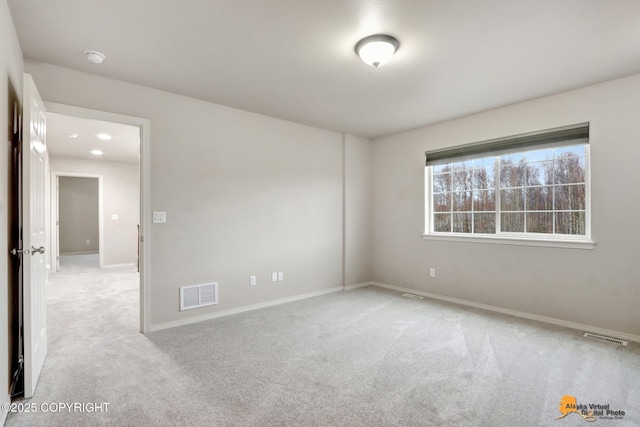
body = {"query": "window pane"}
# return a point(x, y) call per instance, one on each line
point(512, 222)
point(572, 151)
point(462, 223)
point(540, 173)
point(442, 202)
point(512, 176)
point(441, 182)
point(462, 201)
point(484, 163)
point(568, 171)
point(484, 223)
point(442, 222)
point(459, 166)
point(539, 155)
point(512, 200)
point(461, 180)
point(441, 168)
point(511, 159)
point(539, 222)
point(539, 198)
point(570, 197)
point(484, 200)
point(570, 223)
point(484, 177)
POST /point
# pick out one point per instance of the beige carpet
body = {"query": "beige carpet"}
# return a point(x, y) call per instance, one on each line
point(367, 357)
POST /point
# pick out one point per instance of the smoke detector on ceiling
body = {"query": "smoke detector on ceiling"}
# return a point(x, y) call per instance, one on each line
point(94, 56)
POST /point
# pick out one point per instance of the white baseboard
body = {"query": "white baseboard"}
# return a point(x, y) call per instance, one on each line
point(126, 264)
point(357, 285)
point(209, 316)
point(522, 314)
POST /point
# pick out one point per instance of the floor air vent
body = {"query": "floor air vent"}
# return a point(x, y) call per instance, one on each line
point(198, 296)
point(603, 338)
point(412, 296)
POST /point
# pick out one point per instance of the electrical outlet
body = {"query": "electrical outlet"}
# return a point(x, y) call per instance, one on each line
point(274, 276)
point(280, 276)
point(432, 272)
point(87, 241)
point(253, 280)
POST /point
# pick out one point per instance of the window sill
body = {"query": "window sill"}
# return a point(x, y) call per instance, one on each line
point(516, 241)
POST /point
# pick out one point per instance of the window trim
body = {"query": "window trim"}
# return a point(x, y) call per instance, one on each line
point(516, 241)
point(528, 239)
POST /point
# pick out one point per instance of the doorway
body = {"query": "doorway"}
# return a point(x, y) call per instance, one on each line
point(78, 209)
point(15, 244)
point(112, 219)
point(77, 216)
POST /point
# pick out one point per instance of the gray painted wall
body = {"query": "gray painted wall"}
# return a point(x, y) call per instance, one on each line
point(597, 287)
point(78, 215)
point(10, 70)
point(358, 214)
point(121, 196)
point(245, 194)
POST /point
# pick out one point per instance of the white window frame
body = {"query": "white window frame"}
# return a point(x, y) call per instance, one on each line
point(528, 239)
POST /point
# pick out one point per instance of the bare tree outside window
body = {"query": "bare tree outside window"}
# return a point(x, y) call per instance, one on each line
point(536, 192)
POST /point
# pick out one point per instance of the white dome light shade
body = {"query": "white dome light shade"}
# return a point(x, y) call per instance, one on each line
point(96, 152)
point(377, 49)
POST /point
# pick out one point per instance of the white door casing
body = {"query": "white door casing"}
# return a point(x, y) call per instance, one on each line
point(34, 166)
point(145, 194)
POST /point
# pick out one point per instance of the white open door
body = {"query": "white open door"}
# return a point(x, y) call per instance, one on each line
point(34, 164)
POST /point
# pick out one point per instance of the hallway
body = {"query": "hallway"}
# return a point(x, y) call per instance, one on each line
point(92, 317)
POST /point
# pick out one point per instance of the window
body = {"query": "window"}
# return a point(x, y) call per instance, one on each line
point(527, 186)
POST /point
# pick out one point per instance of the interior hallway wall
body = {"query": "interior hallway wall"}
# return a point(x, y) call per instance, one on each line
point(244, 194)
point(121, 197)
point(78, 215)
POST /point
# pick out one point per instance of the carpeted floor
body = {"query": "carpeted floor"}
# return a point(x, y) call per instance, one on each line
point(366, 357)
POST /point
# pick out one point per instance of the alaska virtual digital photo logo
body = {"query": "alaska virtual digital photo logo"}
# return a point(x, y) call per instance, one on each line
point(590, 413)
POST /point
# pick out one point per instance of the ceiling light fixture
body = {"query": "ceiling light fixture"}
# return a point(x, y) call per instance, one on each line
point(72, 135)
point(94, 56)
point(104, 136)
point(377, 49)
point(96, 152)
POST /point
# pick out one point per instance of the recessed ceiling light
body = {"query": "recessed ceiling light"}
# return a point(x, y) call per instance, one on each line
point(95, 56)
point(97, 152)
point(72, 135)
point(104, 136)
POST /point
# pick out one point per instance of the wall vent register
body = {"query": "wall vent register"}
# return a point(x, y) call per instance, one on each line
point(197, 296)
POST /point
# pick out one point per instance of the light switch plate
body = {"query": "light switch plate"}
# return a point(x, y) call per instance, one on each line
point(159, 216)
point(114, 217)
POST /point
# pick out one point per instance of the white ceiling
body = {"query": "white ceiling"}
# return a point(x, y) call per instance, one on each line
point(294, 59)
point(123, 147)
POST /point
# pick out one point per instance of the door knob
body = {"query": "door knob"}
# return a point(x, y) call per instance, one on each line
point(37, 250)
